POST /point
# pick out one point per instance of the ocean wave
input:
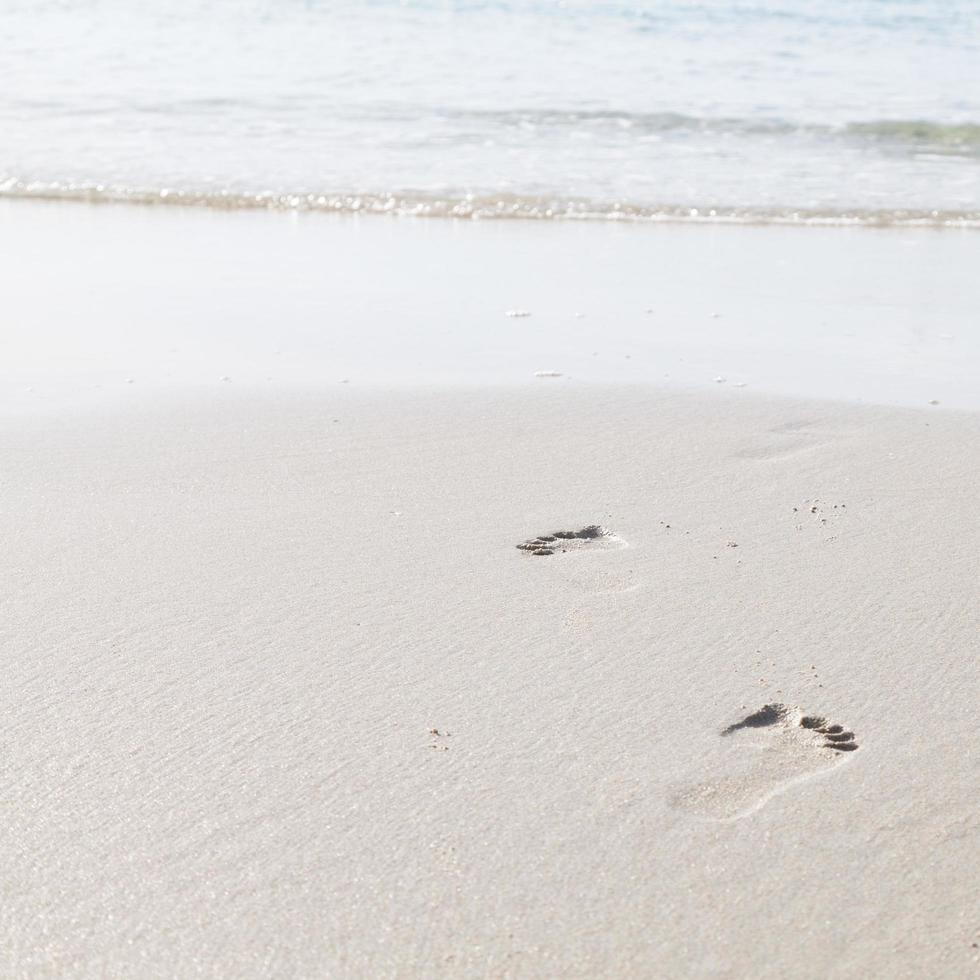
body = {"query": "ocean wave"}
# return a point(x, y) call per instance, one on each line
point(484, 207)
point(637, 122)
point(463, 125)
point(962, 138)
point(921, 134)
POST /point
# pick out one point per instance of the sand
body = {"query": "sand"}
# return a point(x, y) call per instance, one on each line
point(284, 698)
point(113, 304)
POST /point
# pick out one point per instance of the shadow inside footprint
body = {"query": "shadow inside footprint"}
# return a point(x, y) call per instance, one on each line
point(834, 735)
point(767, 715)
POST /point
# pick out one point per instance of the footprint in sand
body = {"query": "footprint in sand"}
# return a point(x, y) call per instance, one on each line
point(786, 440)
point(593, 537)
point(561, 542)
point(766, 753)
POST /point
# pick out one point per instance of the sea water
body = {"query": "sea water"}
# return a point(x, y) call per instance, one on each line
point(823, 111)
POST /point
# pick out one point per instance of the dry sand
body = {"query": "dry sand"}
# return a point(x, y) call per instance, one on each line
point(282, 698)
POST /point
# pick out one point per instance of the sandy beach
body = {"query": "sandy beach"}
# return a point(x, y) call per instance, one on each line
point(488, 490)
point(282, 696)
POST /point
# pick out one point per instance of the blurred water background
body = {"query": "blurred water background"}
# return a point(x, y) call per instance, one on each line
point(827, 111)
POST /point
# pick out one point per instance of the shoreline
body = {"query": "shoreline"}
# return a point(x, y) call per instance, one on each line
point(488, 207)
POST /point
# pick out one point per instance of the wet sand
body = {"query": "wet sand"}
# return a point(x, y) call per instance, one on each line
point(108, 304)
